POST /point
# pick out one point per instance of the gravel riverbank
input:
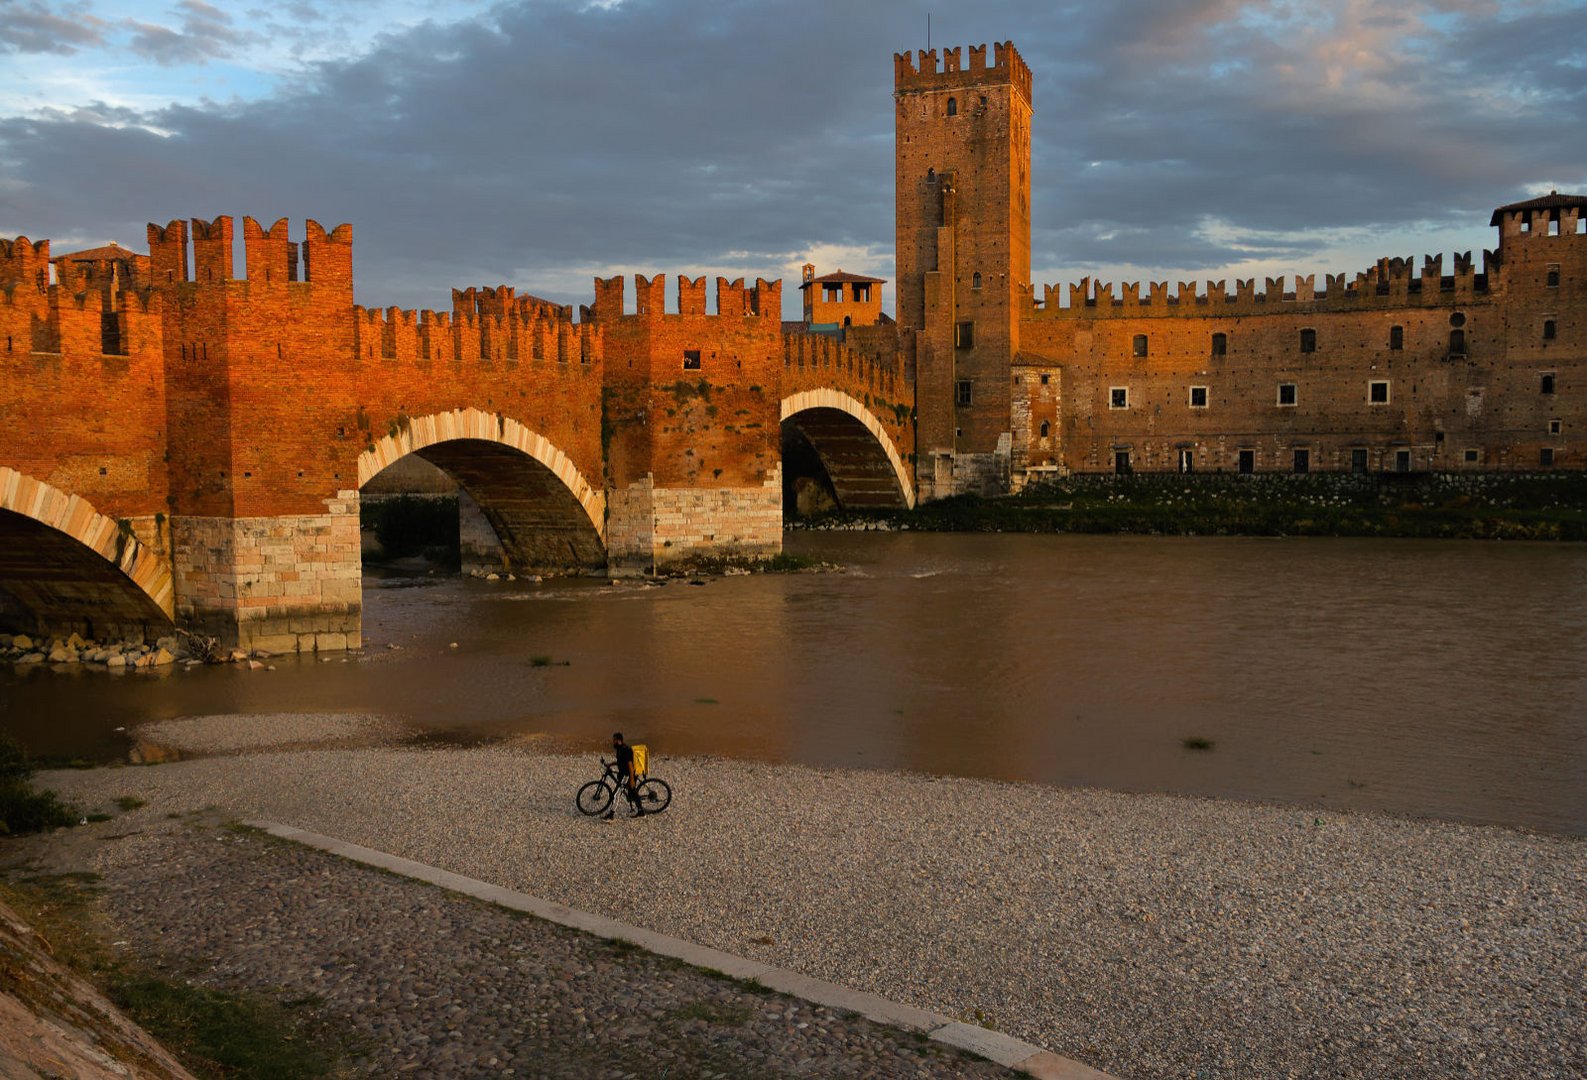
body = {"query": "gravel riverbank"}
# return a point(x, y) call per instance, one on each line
point(1149, 936)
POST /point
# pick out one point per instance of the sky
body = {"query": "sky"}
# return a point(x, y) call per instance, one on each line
point(543, 143)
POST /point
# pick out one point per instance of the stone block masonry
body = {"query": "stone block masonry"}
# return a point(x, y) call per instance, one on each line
point(273, 584)
point(651, 528)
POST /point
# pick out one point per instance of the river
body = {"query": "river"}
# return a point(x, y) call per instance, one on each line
point(1442, 679)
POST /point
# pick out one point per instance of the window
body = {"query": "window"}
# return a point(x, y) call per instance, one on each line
point(953, 106)
point(975, 280)
point(1457, 319)
point(964, 335)
point(931, 176)
point(1545, 457)
point(1308, 340)
point(1473, 457)
point(1553, 275)
point(1187, 460)
point(1303, 461)
point(1045, 428)
point(1286, 395)
point(1118, 397)
point(1457, 343)
point(1550, 328)
point(862, 292)
point(1396, 338)
point(1140, 345)
point(1378, 392)
point(1358, 460)
point(1402, 461)
point(1044, 379)
point(832, 294)
point(1555, 427)
point(691, 359)
point(1247, 462)
point(1220, 344)
point(961, 392)
point(1198, 397)
point(1547, 382)
point(1121, 462)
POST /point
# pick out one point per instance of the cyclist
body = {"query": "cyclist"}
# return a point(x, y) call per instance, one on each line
point(625, 772)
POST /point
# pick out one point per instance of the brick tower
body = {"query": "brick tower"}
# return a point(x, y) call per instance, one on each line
point(963, 220)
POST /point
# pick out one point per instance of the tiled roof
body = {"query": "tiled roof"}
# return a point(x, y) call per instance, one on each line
point(1552, 201)
point(111, 250)
point(840, 278)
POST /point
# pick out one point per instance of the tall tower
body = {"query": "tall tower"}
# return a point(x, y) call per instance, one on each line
point(963, 218)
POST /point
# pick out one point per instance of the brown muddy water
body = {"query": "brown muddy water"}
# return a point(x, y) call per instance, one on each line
point(1442, 679)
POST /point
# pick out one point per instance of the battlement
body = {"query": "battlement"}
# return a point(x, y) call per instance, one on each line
point(24, 261)
point(485, 325)
point(1549, 216)
point(1390, 283)
point(813, 353)
point(323, 260)
point(762, 300)
point(912, 76)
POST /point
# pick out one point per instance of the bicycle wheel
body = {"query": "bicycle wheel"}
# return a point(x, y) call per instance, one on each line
point(594, 798)
point(654, 795)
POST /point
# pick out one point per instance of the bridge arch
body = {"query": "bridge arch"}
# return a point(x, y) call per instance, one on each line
point(859, 455)
point(71, 567)
point(544, 512)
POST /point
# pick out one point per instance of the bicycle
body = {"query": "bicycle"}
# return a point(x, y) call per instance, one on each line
point(596, 796)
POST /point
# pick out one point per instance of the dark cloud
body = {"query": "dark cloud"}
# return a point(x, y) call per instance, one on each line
point(551, 136)
point(42, 28)
point(206, 33)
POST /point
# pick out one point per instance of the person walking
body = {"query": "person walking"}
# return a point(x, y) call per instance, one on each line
point(625, 771)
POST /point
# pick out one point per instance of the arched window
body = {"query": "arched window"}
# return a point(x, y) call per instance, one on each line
point(975, 280)
point(1044, 429)
point(1549, 330)
point(953, 106)
point(931, 176)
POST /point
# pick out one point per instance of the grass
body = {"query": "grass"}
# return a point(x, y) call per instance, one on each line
point(23, 810)
point(1489, 506)
point(711, 1013)
point(214, 1033)
point(128, 803)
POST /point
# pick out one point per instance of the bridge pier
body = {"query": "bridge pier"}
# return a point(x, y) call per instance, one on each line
point(291, 583)
point(650, 528)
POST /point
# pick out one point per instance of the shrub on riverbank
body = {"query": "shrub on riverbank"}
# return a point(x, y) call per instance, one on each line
point(408, 525)
point(1547, 506)
point(23, 810)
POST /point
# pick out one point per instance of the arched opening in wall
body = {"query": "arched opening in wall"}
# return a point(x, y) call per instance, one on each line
point(476, 506)
point(831, 460)
point(52, 584)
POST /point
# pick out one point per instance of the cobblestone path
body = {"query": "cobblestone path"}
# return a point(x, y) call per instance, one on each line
point(434, 984)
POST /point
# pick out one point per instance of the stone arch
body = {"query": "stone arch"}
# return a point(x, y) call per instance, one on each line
point(546, 515)
point(101, 554)
point(879, 449)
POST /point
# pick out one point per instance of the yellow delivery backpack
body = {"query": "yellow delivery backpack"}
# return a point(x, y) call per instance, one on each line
point(641, 761)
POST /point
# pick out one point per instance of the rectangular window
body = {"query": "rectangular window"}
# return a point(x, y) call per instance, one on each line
point(1358, 460)
point(1121, 462)
point(862, 293)
point(832, 294)
point(1286, 395)
point(1187, 461)
point(1118, 397)
point(961, 392)
point(1308, 340)
point(1198, 397)
point(1547, 384)
point(1139, 345)
point(1550, 328)
point(964, 335)
point(1555, 426)
point(1247, 462)
point(1473, 457)
point(691, 359)
point(1044, 379)
point(1378, 392)
point(1545, 457)
point(1396, 338)
point(1303, 461)
point(1402, 461)
point(1553, 275)
point(1220, 344)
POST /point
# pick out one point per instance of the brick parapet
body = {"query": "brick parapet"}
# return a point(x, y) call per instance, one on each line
point(919, 72)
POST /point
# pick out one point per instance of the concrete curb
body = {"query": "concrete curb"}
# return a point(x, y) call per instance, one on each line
point(1004, 1050)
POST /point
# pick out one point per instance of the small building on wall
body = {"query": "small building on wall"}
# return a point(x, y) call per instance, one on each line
point(839, 300)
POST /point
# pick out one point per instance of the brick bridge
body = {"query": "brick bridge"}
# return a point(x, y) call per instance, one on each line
point(186, 444)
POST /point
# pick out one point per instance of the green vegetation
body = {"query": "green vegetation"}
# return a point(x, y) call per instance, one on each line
point(23, 810)
point(1196, 742)
point(1508, 506)
point(407, 525)
point(128, 803)
point(212, 1032)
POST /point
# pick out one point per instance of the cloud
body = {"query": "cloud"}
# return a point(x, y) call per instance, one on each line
point(205, 33)
point(716, 136)
point(38, 28)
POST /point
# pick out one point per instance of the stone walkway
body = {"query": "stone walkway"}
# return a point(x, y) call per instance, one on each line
point(430, 983)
